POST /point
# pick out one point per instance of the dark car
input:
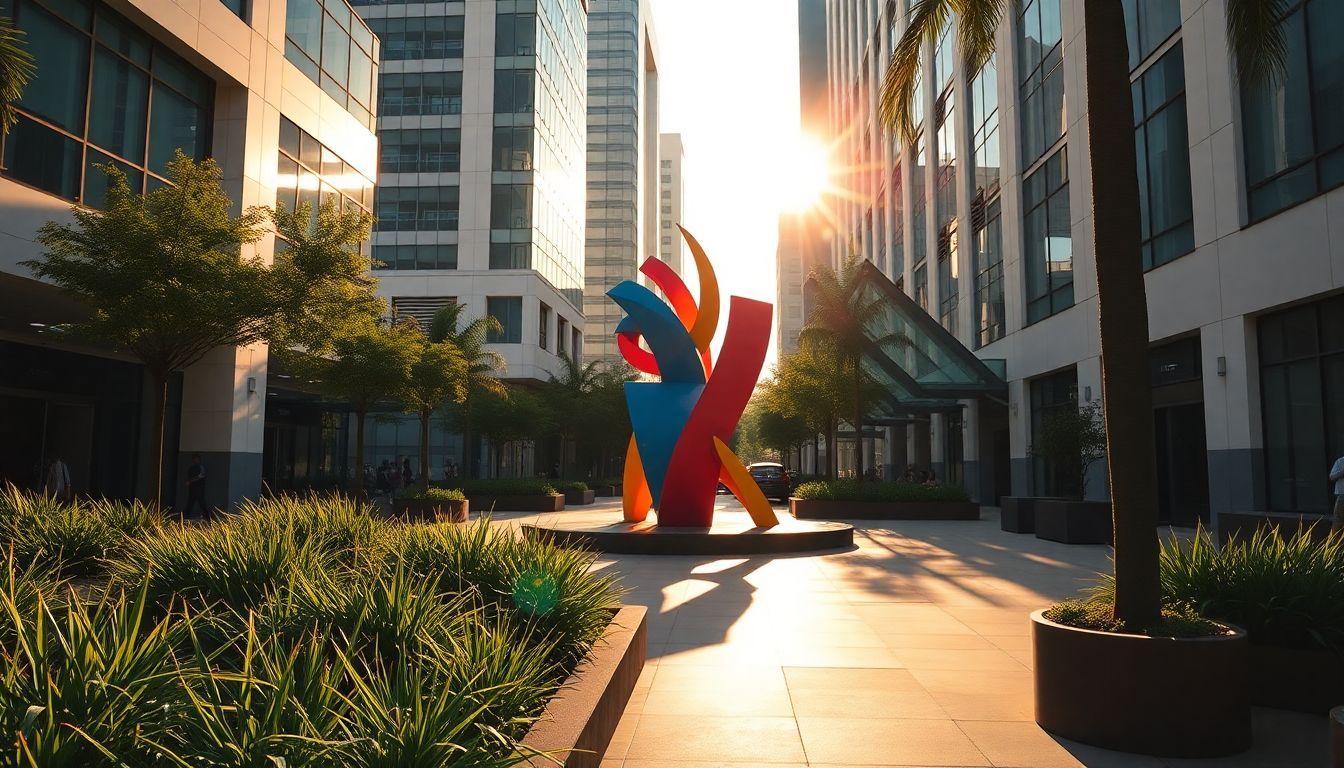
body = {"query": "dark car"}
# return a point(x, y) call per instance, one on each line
point(772, 478)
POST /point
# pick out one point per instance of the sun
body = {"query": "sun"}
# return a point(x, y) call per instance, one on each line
point(805, 174)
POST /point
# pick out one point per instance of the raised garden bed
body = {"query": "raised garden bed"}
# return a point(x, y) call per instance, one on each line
point(578, 722)
point(835, 509)
point(1073, 522)
point(432, 510)
point(1173, 697)
point(1300, 679)
point(606, 491)
point(483, 503)
point(1017, 514)
point(580, 498)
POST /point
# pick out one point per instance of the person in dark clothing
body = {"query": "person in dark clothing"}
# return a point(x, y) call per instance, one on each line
point(407, 476)
point(196, 488)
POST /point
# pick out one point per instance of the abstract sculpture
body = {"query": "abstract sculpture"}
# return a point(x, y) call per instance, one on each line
point(679, 453)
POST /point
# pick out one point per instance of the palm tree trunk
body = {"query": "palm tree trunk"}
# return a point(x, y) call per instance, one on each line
point(1122, 309)
point(468, 450)
point(424, 449)
point(160, 379)
point(357, 482)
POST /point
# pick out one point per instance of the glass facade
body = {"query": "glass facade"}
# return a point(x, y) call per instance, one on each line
point(1051, 394)
point(104, 93)
point(416, 209)
point(309, 172)
point(425, 150)
point(405, 38)
point(1293, 128)
point(947, 280)
point(1040, 57)
point(1302, 403)
point(614, 125)
point(1162, 144)
point(897, 220)
point(508, 310)
point(335, 49)
point(1047, 239)
point(1149, 24)
point(984, 93)
point(410, 94)
point(430, 256)
point(988, 254)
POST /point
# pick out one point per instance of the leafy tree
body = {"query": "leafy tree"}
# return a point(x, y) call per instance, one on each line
point(437, 374)
point(1072, 440)
point(840, 319)
point(781, 433)
point(509, 416)
point(370, 363)
point(1254, 32)
point(808, 385)
point(606, 434)
point(162, 275)
point(16, 69)
point(483, 367)
point(569, 398)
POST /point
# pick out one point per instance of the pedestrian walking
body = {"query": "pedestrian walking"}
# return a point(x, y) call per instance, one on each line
point(58, 484)
point(1337, 477)
point(196, 488)
point(407, 476)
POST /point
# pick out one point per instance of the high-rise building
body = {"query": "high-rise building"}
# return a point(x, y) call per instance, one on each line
point(671, 199)
point(803, 235)
point(986, 222)
point(281, 94)
point(623, 208)
point(480, 196)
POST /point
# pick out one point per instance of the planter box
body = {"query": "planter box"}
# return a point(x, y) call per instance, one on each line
point(552, 503)
point(1133, 693)
point(1301, 679)
point(431, 511)
point(580, 498)
point(827, 509)
point(607, 490)
point(1073, 522)
point(578, 722)
point(1017, 514)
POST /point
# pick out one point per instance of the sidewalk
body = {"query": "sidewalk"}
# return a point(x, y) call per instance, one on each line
point(912, 650)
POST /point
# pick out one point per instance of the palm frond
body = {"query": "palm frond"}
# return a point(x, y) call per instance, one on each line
point(977, 23)
point(1255, 34)
point(16, 69)
point(927, 20)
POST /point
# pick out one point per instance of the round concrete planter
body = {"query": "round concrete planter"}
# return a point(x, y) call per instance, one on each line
point(830, 509)
point(1133, 693)
point(430, 510)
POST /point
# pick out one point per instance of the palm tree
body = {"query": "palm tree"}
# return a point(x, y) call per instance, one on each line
point(569, 396)
point(840, 321)
point(437, 374)
point(16, 69)
point(1122, 308)
point(482, 365)
point(808, 385)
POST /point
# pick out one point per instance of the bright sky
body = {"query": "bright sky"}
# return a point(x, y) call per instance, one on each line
point(728, 83)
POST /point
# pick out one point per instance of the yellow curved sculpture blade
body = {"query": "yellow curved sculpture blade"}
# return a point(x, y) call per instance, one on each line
point(707, 319)
point(636, 498)
point(740, 482)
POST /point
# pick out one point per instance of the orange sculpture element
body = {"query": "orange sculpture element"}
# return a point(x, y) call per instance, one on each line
point(636, 501)
point(740, 483)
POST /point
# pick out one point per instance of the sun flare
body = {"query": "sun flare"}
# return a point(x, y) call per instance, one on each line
point(805, 176)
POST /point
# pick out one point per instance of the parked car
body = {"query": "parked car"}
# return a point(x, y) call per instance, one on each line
point(772, 478)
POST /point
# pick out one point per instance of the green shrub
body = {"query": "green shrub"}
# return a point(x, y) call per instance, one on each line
point(1099, 615)
point(507, 487)
point(570, 486)
point(1282, 591)
point(434, 494)
point(72, 538)
point(877, 490)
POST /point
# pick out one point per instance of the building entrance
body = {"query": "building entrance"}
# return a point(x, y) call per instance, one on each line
point(40, 430)
point(1182, 465)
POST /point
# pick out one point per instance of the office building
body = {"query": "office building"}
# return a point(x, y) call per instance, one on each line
point(480, 197)
point(280, 94)
point(985, 223)
point(671, 200)
point(623, 209)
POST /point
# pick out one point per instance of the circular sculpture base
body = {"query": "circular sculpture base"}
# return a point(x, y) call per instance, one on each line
point(733, 533)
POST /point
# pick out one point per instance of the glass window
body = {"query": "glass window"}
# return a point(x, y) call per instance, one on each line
point(420, 37)
point(143, 103)
point(511, 206)
point(508, 310)
point(417, 209)
point(430, 150)
point(544, 327)
point(1049, 395)
point(415, 93)
point(422, 256)
point(561, 332)
point(989, 307)
point(1148, 24)
point(510, 255)
point(513, 149)
point(1293, 130)
point(335, 50)
point(513, 90)
point(921, 295)
point(515, 34)
point(1042, 84)
point(1048, 239)
point(1162, 145)
point(947, 280)
point(984, 90)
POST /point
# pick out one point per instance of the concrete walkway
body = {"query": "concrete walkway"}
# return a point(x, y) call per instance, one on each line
point(911, 650)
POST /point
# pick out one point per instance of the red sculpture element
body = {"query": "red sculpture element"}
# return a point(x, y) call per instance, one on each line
point(693, 472)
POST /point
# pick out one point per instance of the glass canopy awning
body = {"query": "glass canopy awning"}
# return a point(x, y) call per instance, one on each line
point(922, 367)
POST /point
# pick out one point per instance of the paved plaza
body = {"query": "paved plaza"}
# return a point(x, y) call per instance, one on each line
point(913, 649)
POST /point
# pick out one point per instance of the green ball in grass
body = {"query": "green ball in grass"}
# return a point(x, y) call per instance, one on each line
point(535, 593)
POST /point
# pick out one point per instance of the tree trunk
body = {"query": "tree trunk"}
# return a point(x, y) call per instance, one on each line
point(357, 483)
point(424, 449)
point(468, 450)
point(858, 425)
point(160, 379)
point(832, 449)
point(1122, 309)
